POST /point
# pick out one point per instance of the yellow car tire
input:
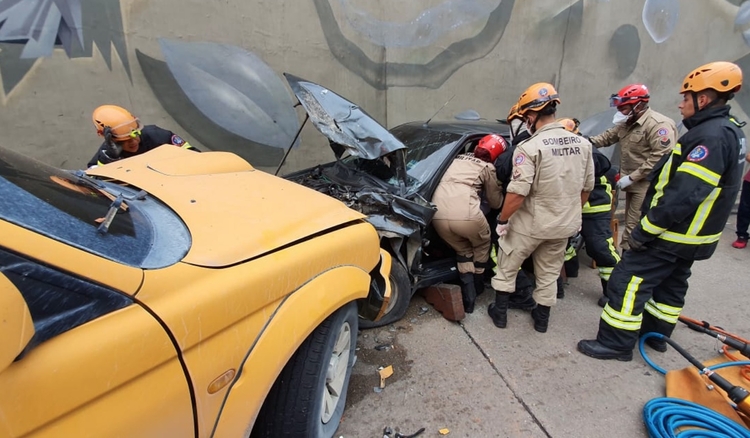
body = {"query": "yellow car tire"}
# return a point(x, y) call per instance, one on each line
point(308, 397)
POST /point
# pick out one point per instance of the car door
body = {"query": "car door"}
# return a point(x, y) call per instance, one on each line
point(98, 364)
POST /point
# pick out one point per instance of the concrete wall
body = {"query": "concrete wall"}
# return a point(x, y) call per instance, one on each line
point(212, 71)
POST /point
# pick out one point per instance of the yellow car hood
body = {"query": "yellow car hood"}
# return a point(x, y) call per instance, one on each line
point(233, 211)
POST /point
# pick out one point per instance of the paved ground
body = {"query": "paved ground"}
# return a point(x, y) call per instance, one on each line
point(480, 381)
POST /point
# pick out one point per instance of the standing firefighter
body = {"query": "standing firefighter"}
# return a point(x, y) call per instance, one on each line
point(686, 208)
point(459, 221)
point(552, 175)
point(644, 136)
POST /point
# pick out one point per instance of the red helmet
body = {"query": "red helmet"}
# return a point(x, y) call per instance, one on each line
point(630, 95)
point(494, 144)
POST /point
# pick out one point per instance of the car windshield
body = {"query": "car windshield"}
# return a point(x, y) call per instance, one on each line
point(426, 151)
point(70, 208)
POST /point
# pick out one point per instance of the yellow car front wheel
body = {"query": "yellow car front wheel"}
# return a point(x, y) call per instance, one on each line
point(308, 397)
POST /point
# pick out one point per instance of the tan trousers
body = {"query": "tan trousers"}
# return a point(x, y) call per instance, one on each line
point(634, 196)
point(548, 257)
point(470, 239)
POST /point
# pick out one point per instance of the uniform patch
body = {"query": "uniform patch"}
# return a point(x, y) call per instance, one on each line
point(543, 92)
point(662, 132)
point(698, 154)
point(177, 140)
point(520, 159)
point(516, 174)
point(665, 141)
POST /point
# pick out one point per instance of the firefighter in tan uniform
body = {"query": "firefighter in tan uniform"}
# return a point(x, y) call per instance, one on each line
point(645, 136)
point(553, 173)
point(459, 220)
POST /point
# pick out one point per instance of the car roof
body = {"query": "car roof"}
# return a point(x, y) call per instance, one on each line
point(463, 127)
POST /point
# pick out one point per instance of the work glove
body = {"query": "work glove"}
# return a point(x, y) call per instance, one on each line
point(502, 229)
point(624, 182)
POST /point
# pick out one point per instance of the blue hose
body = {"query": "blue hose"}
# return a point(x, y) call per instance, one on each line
point(665, 415)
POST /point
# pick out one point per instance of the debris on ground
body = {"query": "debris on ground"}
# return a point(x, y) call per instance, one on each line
point(444, 431)
point(384, 374)
point(388, 433)
point(383, 347)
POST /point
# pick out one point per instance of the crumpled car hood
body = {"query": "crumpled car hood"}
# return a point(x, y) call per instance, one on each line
point(343, 122)
point(234, 212)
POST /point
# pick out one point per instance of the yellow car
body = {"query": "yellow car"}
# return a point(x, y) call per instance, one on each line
point(178, 294)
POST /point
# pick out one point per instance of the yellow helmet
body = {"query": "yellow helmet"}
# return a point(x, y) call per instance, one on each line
point(569, 124)
point(119, 120)
point(724, 77)
point(536, 97)
point(513, 113)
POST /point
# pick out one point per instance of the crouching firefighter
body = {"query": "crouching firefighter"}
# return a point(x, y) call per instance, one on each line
point(459, 220)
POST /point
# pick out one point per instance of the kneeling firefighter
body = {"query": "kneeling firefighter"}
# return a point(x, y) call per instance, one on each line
point(459, 220)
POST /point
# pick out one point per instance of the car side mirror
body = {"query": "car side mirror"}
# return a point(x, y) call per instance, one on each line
point(16, 325)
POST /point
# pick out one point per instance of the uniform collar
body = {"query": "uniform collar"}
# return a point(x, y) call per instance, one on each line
point(547, 127)
point(705, 114)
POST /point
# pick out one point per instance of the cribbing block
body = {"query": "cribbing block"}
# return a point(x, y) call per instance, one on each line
point(446, 299)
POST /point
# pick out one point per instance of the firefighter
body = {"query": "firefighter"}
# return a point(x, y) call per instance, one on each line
point(644, 136)
point(686, 208)
point(459, 220)
point(521, 299)
point(125, 136)
point(596, 228)
point(552, 175)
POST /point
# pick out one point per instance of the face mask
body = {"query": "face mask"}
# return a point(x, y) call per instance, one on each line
point(620, 118)
point(515, 128)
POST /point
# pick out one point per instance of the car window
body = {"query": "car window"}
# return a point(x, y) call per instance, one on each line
point(426, 151)
point(56, 203)
point(57, 301)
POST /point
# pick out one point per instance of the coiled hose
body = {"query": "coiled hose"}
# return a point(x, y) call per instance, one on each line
point(665, 416)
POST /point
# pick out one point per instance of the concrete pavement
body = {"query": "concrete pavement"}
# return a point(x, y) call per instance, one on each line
point(480, 381)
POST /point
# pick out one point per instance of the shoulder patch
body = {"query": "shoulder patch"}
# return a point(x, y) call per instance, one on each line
point(177, 140)
point(665, 141)
point(662, 132)
point(698, 154)
point(520, 159)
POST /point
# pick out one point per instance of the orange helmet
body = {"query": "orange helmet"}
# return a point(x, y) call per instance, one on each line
point(123, 124)
point(494, 144)
point(513, 113)
point(569, 124)
point(536, 97)
point(724, 77)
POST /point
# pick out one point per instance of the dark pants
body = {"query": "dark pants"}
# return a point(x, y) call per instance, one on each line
point(649, 280)
point(600, 245)
point(743, 212)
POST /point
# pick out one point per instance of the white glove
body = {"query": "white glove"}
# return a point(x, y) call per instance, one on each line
point(502, 229)
point(624, 182)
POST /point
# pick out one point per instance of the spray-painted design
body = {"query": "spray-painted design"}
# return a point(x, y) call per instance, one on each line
point(660, 18)
point(423, 30)
point(382, 74)
point(625, 47)
point(226, 97)
point(32, 29)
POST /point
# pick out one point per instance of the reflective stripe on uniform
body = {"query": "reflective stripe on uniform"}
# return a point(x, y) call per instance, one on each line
point(651, 228)
point(186, 145)
point(624, 319)
point(606, 271)
point(570, 252)
point(701, 214)
point(493, 255)
point(671, 236)
point(603, 208)
point(663, 312)
point(700, 172)
point(663, 178)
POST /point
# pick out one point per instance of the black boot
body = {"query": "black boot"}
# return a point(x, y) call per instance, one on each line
point(652, 324)
point(604, 299)
point(468, 292)
point(560, 288)
point(540, 314)
point(498, 310)
point(522, 299)
point(595, 349)
point(479, 283)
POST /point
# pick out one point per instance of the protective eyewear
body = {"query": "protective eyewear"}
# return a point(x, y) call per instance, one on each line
point(615, 100)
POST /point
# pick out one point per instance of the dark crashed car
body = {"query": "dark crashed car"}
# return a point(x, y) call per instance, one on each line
point(390, 176)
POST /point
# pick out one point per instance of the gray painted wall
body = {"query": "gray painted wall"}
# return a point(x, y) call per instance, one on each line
point(212, 71)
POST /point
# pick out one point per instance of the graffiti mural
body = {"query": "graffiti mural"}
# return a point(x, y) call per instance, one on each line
point(32, 29)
